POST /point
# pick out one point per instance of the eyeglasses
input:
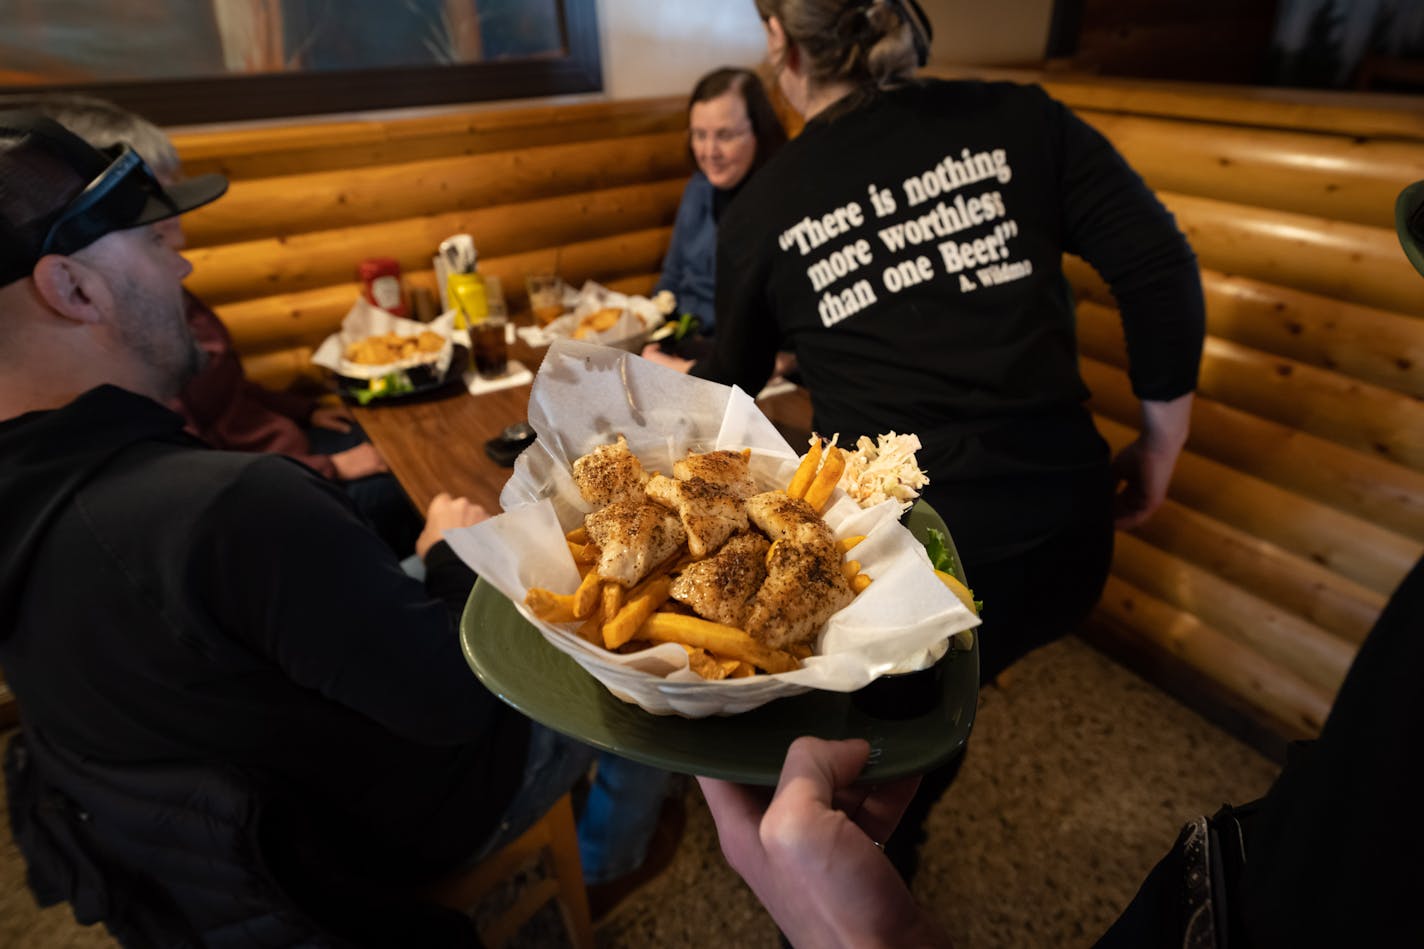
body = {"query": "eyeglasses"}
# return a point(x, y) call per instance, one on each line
point(103, 205)
point(720, 136)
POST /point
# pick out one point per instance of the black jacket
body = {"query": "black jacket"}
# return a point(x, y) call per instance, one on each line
point(162, 603)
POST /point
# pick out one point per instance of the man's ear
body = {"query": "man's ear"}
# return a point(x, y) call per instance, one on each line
point(68, 287)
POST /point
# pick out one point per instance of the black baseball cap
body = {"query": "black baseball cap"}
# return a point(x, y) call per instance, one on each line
point(59, 194)
point(1409, 223)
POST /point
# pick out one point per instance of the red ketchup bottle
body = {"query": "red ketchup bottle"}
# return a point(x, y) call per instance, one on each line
point(381, 284)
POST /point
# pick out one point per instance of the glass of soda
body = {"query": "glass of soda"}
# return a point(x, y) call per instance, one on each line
point(491, 350)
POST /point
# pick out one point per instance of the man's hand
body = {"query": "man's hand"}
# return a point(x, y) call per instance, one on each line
point(446, 513)
point(1144, 468)
point(359, 462)
point(653, 353)
point(333, 418)
point(811, 855)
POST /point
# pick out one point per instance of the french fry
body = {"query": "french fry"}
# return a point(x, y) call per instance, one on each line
point(612, 599)
point(742, 670)
point(806, 471)
point(714, 637)
point(579, 535)
point(550, 607)
point(826, 480)
point(641, 604)
point(586, 596)
point(800, 650)
point(770, 551)
point(859, 583)
point(705, 665)
point(584, 553)
point(850, 568)
point(849, 543)
point(592, 630)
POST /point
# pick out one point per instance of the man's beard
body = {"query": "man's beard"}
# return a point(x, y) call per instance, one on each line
point(157, 332)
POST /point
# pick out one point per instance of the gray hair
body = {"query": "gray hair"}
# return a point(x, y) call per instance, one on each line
point(103, 124)
point(869, 42)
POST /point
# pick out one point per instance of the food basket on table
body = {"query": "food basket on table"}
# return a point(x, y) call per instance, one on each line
point(378, 356)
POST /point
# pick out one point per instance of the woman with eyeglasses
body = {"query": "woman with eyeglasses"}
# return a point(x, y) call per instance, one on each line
point(732, 131)
point(907, 246)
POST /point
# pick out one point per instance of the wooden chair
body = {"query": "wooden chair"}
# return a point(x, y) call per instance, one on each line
point(553, 834)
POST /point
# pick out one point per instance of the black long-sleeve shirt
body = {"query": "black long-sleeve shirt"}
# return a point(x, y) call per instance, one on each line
point(907, 245)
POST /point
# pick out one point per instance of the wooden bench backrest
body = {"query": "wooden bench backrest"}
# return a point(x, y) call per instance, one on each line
point(1298, 505)
point(590, 188)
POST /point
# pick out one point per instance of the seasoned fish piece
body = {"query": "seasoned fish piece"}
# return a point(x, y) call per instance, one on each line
point(786, 518)
point(610, 473)
point(721, 587)
point(710, 512)
point(729, 468)
point(804, 586)
point(633, 537)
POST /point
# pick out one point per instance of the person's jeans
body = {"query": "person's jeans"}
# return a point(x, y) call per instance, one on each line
point(554, 764)
point(619, 818)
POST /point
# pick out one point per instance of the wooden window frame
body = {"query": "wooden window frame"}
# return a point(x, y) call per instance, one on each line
point(276, 95)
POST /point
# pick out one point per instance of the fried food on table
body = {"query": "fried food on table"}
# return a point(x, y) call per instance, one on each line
point(393, 347)
point(804, 586)
point(761, 572)
point(710, 513)
point(633, 537)
point(731, 469)
point(598, 321)
point(721, 587)
point(610, 473)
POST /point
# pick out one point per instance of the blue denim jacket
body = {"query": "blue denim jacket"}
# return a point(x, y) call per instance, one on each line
point(690, 267)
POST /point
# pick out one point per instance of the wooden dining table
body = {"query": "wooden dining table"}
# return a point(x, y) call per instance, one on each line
point(436, 442)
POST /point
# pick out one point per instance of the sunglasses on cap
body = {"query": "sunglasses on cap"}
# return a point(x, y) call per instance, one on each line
point(115, 200)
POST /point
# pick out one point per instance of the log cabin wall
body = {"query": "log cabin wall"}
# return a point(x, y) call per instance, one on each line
point(1298, 504)
point(590, 188)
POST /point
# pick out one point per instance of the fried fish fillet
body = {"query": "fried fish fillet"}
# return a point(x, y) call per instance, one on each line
point(804, 586)
point(710, 512)
point(633, 537)
point(610, 473)
point(721, 587)
point(786, 518)
point(729, 468)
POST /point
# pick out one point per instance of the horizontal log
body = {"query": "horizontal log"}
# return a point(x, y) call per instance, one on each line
point(282, 321)
point(283, 148)
point(280, 207)
point(1305, 588)
point(1375, 346)
point(1367, 553)
point(1337, 177)
point(233, 272)
point(1296, 708)
point(1369, 115)
point(1307, 651)
point(1334, 258)
point(1359, 416)
point(1348, 480)
point(281, 369)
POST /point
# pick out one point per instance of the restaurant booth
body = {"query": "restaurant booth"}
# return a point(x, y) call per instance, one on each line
point(1298, 504)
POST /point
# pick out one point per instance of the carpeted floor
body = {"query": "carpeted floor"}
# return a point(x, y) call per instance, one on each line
point(1079, 776)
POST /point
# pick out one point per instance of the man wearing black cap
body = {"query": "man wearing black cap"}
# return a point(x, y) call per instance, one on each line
point(163, 603)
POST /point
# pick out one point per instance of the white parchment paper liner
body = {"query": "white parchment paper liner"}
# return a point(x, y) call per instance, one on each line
point(364, 320)
point(586, 395)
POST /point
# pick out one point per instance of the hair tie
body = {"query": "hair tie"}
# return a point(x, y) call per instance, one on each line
point(921, 32)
